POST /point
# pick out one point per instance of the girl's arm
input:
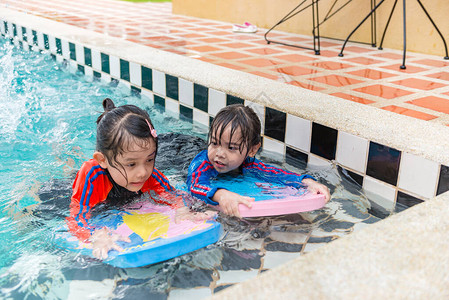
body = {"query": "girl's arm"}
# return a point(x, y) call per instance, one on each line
point(198, 178)
point(90, 187)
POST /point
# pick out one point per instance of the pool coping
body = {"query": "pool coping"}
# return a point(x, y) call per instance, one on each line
point(422, 140)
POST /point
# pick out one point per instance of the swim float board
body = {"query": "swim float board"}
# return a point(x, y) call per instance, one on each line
point(154, 235)
point(271, 198)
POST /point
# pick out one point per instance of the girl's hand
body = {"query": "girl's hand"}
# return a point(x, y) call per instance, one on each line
point(318, 188)
point(229, 202)
point(104, 240)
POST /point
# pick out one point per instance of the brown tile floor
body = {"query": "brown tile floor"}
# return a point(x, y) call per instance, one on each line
point(364, 75)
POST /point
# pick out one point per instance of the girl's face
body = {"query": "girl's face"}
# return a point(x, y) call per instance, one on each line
point(138, 164)
point(224, 154)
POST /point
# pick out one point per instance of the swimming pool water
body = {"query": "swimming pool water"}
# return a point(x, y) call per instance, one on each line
point(48, 114)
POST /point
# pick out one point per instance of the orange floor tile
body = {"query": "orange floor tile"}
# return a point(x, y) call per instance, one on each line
point(364, 74)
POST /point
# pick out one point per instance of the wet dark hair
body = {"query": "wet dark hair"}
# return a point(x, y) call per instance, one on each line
point(120, 127)
point(240, 117)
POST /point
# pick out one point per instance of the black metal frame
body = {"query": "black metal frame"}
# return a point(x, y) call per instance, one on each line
point(373, 10)
point(317, 23)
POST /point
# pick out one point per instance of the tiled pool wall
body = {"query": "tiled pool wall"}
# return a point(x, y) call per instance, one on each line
point(388, 173)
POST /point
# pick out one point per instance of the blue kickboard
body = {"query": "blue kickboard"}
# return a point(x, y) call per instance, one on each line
point(154, 234)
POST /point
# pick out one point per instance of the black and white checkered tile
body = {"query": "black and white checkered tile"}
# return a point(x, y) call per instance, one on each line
point(379, 169)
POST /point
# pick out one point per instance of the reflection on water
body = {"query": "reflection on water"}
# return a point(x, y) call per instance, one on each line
point(48, 130)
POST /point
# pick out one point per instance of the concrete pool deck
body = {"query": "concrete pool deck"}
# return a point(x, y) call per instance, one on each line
point(404, 256)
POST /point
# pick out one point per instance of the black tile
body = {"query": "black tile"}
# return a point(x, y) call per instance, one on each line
point(135, 91)
point(404, 201)
point(275, 122)
point(200, 97)
point(114, 82)
point(443, 182)
point(383, 163)
point(87, 57)
point(324, 141)
point(186, 112)
point(81, 68)
point(296, 158)
point(58, 46)
point(53, 56)
point(46, 43)
point(159, 101)
point(211, 119)
point(97, 75)
point(5, 25)
point(124, 70)
point(14, 30)
point(105, 63)
point(172, 87)
point(24, 34)
point(351, 176)
point(147, 78)
point(72, 50)
point(34, 37)
point(233, 100)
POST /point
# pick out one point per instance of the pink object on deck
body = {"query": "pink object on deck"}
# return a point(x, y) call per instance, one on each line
point(287, 205)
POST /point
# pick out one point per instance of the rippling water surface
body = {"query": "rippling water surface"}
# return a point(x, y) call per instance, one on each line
point(48, 115)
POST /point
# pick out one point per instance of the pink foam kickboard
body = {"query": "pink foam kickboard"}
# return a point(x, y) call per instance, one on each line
point(285, 206)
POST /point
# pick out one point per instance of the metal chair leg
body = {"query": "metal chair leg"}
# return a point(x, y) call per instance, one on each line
point(386, 26)
point(355, 29)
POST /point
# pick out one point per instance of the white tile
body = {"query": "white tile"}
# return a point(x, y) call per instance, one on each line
point(79, 54)
point(190, 294)
point(275, 259)
point(19, 32)
point(88, 72)
point(114, 66)
point(40, 40)
point(73, 66)
point(30, 36)
point(10, 30)
point(135, 73)
point(147, 97)
point(52, 44)
point(418, 175)
point(185, 92)
point(89, 289)
point(352, 151)
point(318, 161)
point(59, 58)
point(125, 85)
point(26, 46)
point(260, 112)
point(106, 77)
point(273, 145)
point(2, 27)
point(381, 189)
point(96, 60)
point(172, 105)
point(159, 83)
point(235, 276)
point(298, 132)
point(65, 49)
point(217, 100)
point(200, 117)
